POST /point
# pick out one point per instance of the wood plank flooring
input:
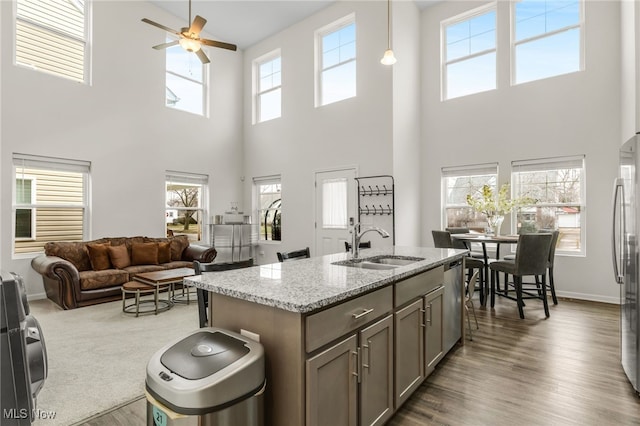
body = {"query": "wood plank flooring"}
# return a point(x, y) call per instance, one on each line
point(564, 370)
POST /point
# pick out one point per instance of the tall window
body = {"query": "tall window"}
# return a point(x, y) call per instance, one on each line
point(52, 36)
point(268, 81)
point(457, 182)
point(469, 53)
point(50, 201)
point(558, 185)
point(268, 192)
point(336, 56)
point(186, 204)
point(186, 81)
point(547, 38)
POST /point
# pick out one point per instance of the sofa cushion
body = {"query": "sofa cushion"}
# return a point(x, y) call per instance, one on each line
point(93, 280)
point(72, 251)
point(99, 256)
point(178, 244)
point(119, 256)
point(164, 251)
point(174, 264)
point(139, 269)
point(144, 253)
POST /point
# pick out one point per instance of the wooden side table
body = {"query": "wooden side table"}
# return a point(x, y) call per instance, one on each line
point(140, 289)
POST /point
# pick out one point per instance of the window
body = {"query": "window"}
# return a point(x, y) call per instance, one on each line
point(335, 204)
point(186, 81)
point(457, 182)
point(268, 192)
point(469, 53)
point(547, 38)
point(268, 80)
point(336, 47)
point(51, 36)
point(50, 201)
point(558, 185)
point(186, 204)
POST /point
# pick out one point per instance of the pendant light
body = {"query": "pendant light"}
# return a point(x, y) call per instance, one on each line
point(388, 58)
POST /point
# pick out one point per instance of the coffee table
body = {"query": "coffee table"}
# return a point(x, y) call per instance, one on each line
point(164, 277)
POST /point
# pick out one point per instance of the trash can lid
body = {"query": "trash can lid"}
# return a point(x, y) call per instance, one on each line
point(202, 354)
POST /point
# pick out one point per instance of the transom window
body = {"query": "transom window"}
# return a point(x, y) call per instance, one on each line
point(336, 47)
point(50, 201)
point(457, 182)
point(547, 38)
point(469, 53)
point(268, 75)
point(186, 204)
point(52, 36)
point(558, 186)
point(268, 198)
point(186, 81)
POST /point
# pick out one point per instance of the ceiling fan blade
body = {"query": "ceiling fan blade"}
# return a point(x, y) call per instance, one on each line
point(197, 25)
point(165, 45)
point(155, 24)
point(219, 44)
point(202, 56)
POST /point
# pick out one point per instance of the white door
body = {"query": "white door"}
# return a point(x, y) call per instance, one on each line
point(335, 204)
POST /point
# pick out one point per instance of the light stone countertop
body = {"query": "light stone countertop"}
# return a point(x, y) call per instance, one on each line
point(309, 284)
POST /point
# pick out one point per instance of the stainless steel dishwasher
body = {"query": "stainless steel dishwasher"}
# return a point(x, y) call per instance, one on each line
point(452, 301)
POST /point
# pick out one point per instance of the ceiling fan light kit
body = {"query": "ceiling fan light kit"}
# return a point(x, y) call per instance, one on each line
point(189, 37)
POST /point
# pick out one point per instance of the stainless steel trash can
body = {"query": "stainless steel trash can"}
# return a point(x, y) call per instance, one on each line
point(210, 377)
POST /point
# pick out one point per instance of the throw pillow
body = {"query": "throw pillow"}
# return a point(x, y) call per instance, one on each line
point(144, 254)
point(178, 244)
point(164, 252)
point(99, 256)
point(119, 256)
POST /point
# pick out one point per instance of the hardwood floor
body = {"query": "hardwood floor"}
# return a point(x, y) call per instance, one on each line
point(564, 370)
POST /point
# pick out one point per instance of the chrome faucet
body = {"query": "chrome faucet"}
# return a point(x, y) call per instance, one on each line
point(356, 235)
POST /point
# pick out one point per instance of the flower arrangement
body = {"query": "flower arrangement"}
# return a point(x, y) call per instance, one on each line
point(496, 206)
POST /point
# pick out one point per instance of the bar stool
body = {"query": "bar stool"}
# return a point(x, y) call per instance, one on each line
point(140, 289)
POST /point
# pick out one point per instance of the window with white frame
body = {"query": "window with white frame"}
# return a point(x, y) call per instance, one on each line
point(268, 199)
point(336, 59)
point(186, 81)
point(268, 82)
point(547, 38)
point(50, 201)
point(457, 183)
point(186, 207)
point(469, 53)
point(52, 36)
point(558, 186)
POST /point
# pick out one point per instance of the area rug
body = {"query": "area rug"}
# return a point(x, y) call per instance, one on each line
point(98, 356)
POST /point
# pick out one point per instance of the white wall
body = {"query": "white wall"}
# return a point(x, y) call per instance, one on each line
point(629, 98)
point(566, 115)
point(306, 139)
point(121, 125)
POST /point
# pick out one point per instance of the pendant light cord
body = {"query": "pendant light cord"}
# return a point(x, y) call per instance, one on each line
point(388, 24)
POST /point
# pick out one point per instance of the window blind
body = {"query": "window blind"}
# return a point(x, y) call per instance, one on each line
point(473, 169)
point(542, 164)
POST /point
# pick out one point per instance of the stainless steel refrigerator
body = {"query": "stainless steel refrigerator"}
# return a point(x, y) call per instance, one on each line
point(626, 215)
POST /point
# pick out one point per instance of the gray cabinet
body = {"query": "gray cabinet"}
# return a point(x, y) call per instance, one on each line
point(376, 373)
point(433, 341)
point(409, 370)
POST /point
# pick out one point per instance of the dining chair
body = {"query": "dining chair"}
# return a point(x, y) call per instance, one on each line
point(468, 301)
point(442, 239)
point(294, 255)
point(363, 244)
point(552, 255)
point(532, 254)
point(203, 295)
point(478, 254)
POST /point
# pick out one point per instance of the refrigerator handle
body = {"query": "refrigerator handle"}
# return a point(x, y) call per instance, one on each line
point(618, 231)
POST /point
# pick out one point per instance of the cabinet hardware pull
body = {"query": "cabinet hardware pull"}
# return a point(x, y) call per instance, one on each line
point(429, 316)
point(357, 362)
point(363, 313)
point(368, 348)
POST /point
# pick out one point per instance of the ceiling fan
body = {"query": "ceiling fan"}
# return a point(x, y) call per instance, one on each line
point(190, 37)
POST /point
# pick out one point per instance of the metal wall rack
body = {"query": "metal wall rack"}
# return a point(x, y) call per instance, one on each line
point(376, 198)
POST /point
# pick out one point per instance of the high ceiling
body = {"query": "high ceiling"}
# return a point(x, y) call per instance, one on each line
point(245, 22)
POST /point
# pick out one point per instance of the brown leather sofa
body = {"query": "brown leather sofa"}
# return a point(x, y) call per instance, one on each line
point(85, 273)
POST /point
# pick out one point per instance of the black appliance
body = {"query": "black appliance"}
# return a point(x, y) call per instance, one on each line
point(23, 355)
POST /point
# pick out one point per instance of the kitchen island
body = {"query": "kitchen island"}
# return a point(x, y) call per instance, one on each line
point(343, 344)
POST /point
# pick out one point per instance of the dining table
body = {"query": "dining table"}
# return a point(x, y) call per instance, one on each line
point(484, 239)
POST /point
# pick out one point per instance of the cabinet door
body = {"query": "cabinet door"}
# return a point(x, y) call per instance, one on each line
point(376, 384)
point(409, 350)
point(332, 385)
point(433, 344)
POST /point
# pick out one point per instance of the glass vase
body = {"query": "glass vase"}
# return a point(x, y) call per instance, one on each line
point(493, 224)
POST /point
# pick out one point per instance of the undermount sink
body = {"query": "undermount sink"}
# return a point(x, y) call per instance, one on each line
point(379, 262)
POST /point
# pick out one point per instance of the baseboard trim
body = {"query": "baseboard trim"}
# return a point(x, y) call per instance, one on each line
point(588, 297)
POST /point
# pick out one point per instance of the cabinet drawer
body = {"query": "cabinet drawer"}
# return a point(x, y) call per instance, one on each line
point(327, 325)
point(418, 285)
